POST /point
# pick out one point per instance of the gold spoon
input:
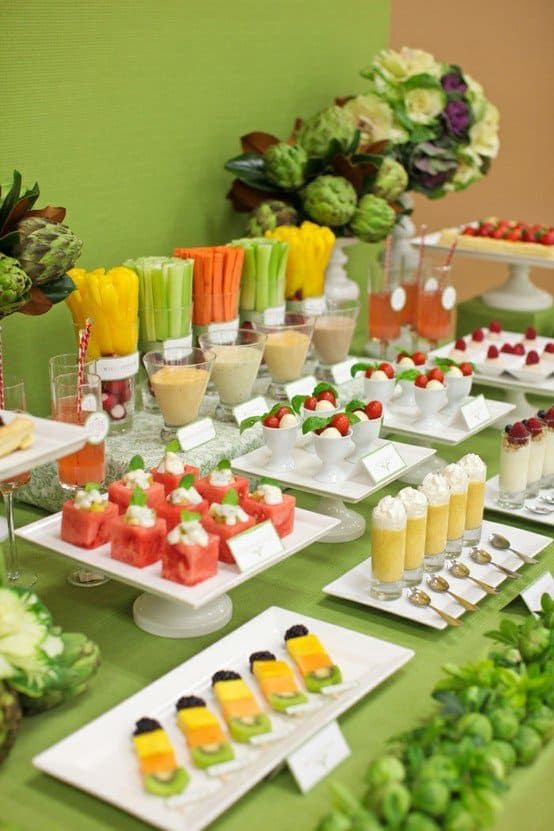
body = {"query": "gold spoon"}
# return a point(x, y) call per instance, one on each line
point(483, 558)
point(461, 571)
point(502, 544)
point(420, 598)
point(439, 584)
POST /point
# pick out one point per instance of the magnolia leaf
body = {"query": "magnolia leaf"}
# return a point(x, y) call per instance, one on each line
point(245, 197)
point(257, 142)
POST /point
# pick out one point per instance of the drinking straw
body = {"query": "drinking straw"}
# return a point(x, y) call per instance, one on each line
point(84, 337)
point(1, 372)
point(450, 255)
point(421, 253)
point(388, 258)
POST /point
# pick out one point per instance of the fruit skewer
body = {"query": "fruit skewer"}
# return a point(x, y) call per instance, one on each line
point(240, 709)
point(161, 775)
point(277, 681)
point(311, 658)
point(206, 740)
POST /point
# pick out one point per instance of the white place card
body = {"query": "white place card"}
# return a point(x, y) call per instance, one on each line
point(274, 315)
point(97, 425)
point(475, 412)
point(180, 347)
point(195, 434)
point(532, 594)
point(318, 757)
point(341, 371)
point(255, 407)
point(223, 326)
point(383, 462)
point(303, 386)
point(314, 305)
point(253, 546)
point(117, 369)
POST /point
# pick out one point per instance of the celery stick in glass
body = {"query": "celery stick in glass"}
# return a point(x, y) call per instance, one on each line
point(273, 271)
point(248, 278)
point(174, 276)
point(263, 254)
point(188, 272)
point(282, 271)
point(159, 295)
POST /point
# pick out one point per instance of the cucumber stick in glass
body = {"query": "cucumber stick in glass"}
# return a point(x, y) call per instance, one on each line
point(165, 297)
point(263, 273)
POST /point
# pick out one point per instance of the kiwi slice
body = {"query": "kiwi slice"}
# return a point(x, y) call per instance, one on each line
point(282, 701)
point(244, 727)
point(324, 677)
point(206, 755)
point(166, 784)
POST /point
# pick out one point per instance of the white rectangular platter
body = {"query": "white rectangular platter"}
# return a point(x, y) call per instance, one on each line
point(53, 440)
point(99, 757)
point(432, 243)
point(453, 432)
point(354, 584)
point(308, 527)
point(491, 503)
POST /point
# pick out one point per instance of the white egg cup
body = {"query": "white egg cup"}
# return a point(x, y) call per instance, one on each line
point(364, 435)
point(457, 390)
point(306, 442)
point(382, 391)
point(280, 441)
point(331, 452)
point(406, 397)
point(429, 402)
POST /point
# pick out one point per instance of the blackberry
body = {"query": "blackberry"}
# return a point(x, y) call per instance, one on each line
point(187, 701)
point(261, 656)
point(541, 413)
point(297, 631)
point(225, 675)
point(507, 428)
point(146, 725)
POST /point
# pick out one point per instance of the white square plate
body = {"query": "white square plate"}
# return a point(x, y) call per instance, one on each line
point(355, 584)
point(353, 489)
point(491, 503)
point(453, 430)
point(53, 440)
point(99, 757)
point(308, 527)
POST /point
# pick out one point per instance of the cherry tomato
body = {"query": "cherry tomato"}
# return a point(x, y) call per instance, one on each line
point(436, 374)
point(271, 421)
point(387, 369)
point(340, 422)
point(282, 411)
point(374, 409)
point(327, 395)
point(310, 402)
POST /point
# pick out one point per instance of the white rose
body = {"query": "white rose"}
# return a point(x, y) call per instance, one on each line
point(424, 105)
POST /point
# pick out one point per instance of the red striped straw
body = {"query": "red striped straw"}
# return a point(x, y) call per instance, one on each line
point(451, 253)
point(421, 254)
point(1, 372)
point(84, 337)
point(388, 258)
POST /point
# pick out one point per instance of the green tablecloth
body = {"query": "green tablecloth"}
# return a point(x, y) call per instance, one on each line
point(132, 659)
point(474, 313)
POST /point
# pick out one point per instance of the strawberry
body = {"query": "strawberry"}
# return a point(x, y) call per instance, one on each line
point(478, 335)
point(492, 352)
point(421, 381)
point(327, 395)
point(518, 349)
point(469, 231)
point(514, 236)
point(495, 326)
point(436, 374)
point(374, 409)
point(534, 425)
point(282, 411)
point(271, 421)
point(466, 368)
point(518, 431)
point(532, 358)
point(340, 422)
point(549, 347)
point(547, 238)
point(310, 402)
point(460, 345)
point(530, 333)
point(528, 236)
point(387, 369)
point(499, 233)
point(418, 358)
point(508, 349)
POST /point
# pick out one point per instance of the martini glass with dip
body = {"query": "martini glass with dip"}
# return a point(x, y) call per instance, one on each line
point(237, 360)
point(332, 336)
point(179, 378)
point(286, 349)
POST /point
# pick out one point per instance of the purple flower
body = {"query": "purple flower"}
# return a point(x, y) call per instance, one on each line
point(453, 82)
point(456, 117)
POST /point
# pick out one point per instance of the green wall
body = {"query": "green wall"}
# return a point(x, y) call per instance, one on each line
point(124, 111)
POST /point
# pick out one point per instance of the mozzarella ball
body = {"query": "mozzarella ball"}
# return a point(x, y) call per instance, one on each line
point(288, 420)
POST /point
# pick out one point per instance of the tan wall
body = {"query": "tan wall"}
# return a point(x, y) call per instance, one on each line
point(507, 46)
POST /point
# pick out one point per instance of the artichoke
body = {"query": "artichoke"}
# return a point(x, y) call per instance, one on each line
point(391, 181)
point(332, 125)
point(268, 216)
point(373, 219)
point(10, 716)
point(285, 165)
point(75, 667)
point(14, 286)
point(330, 200)
point(46, 249)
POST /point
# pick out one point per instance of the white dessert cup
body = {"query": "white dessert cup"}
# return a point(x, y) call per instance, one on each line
point(281, 442)
point(429, 402)
point(364, 435)
point(306, 442)
point(331, 452)
point(457, 390)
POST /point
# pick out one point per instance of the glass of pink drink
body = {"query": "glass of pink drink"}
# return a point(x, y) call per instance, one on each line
point(386, 301)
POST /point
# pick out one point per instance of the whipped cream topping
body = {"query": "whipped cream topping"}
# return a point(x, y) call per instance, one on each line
point(456, 477)
point(84, 500)
point(270, 494)
point(474, 466)
point(414, 501)
point(184, 496)
point(228, 514)
point(171, 463)
point(188, 533)
point(140, 515)
point(436, 489)
point(390, 513)
point(137, 479)
point(222, 477)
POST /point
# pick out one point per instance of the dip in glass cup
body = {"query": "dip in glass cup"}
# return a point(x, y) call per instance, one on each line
point(238, 355)
point(286, 349)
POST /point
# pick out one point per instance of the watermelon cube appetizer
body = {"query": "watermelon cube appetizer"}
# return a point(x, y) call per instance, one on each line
point(269, 502)
point(87, 519)
point(184, 498)
point(171, 469)
point(191, 554)
point(138, 537)
point(120, 491)
point(226, 520)
point(215, 486)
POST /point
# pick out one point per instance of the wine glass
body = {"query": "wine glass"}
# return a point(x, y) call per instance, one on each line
point(15, 400)
point(238, 354)
point(286, 349)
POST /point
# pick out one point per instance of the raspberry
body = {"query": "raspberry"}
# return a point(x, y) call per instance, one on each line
point(495, 326)
point(530, 333)
point(534, 425)
point(508, 349)
point(492, 352)
point(478, 335)
point(532, 358)
point(460, 344)
point(519, 431)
